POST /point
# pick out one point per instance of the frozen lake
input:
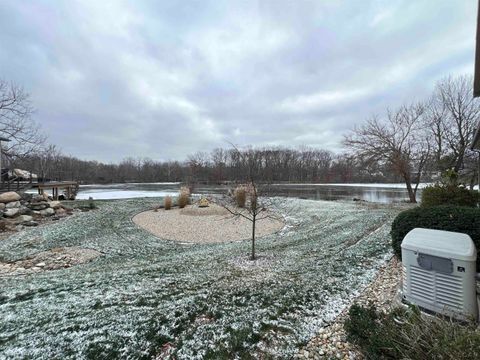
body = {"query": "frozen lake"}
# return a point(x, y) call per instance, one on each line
point(380, 193)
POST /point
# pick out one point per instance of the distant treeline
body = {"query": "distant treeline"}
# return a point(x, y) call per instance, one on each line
point(220, 165)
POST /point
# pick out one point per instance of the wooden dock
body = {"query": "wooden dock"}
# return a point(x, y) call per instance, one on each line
point(69, 186)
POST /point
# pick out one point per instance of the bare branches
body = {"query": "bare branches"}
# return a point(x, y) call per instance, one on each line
point(16, 123)
point(399, 140)
point(454, 115)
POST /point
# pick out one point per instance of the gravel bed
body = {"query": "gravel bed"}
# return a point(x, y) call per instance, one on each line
point(56, 258)
point(211, 224)
point(330, 341)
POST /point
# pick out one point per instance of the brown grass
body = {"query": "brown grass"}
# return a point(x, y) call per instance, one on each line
point(183, 200)
point(167, 202)
point(240, 195)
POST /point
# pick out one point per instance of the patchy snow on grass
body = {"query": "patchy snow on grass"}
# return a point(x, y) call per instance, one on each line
point(147, 296)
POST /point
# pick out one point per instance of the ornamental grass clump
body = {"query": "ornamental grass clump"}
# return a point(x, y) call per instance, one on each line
point(167, 203)
point(240, 195)
point(183, 199)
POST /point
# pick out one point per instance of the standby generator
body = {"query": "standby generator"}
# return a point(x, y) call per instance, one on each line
point(439, 272)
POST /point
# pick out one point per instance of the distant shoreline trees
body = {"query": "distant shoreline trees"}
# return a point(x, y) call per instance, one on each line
point(276, 164)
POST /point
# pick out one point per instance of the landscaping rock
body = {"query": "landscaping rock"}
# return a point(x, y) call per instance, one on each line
point(23, 219)
point(11, 212)
point(61, 212)
point(39, 206)
point(57, 258)
point(47, 212)
point(30, 223)
point(2, 206)
point(55, 204)
point(39, 198)
point(9, 197)
point(203, 203)
point(13, 204)
point(23, 210)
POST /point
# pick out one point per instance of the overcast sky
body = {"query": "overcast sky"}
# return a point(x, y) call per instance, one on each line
point(163, 79)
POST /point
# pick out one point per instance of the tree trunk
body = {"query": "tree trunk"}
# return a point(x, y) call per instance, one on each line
point(458, 164)
point(412, 194)
point(253, 237)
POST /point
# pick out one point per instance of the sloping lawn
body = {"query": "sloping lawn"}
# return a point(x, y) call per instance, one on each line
point(146, 296)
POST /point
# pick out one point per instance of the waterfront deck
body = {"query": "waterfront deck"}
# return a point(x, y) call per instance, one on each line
point(69, 186)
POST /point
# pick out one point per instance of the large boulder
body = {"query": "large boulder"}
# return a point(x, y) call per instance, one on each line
point(9, 197)
point(47, 212)
point(11, 212)
point(2, 206)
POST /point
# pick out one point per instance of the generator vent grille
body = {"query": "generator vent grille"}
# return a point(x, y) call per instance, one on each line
point(435, 287)
point(422, 284)
point(449, 290)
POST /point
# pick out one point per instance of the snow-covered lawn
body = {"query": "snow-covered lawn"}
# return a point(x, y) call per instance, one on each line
point(146, 295)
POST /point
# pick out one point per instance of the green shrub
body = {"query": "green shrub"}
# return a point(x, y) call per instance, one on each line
point(450, 218)
point(407, 334)
point(363, 328)
point(449, 195)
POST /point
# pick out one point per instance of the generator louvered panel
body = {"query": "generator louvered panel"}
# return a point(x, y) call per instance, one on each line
point(434, 287)
point(449, 291)
point(422, 284)
point(404, 278)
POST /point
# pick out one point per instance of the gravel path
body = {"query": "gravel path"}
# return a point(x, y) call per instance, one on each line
point(212, 224)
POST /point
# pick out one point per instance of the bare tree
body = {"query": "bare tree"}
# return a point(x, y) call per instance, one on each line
point(400, 140)
point(453, 117)
point(16, 123)
point(258, 203)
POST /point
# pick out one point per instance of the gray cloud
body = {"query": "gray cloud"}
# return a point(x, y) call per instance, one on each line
point(165, 79)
